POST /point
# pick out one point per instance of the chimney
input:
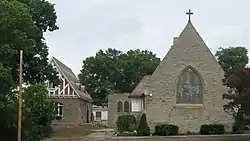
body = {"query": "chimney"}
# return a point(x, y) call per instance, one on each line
point(78, 86)
point(82, 88)
point(175, 40)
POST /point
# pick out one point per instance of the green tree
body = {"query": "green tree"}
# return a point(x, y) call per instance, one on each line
point(114, 71)
point(7, 105)
point(21, 31)
point(38, 112)
point(44, 17)
point(43, 14)
point(22, 24)
point(232, 58)
point(239, 95)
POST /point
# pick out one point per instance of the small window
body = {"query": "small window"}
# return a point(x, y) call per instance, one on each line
point(98, 115)
point(60, 109)
point(119, 106)
point(126, 106)
point(143, 103)
point(51, 93)
point(51, 85)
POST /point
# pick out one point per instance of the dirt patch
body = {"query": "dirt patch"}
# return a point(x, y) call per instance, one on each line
point(72, 133)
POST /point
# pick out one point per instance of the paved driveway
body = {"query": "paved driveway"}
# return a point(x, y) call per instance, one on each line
point(235, 138)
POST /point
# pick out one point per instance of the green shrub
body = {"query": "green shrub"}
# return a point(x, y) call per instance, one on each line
point(157, 130)
point(238, 128)
point(166, 130)
point(126, 123)
point(207, 129)
point(143, 129)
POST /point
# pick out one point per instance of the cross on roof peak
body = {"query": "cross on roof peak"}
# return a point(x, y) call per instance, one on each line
point(189, 13)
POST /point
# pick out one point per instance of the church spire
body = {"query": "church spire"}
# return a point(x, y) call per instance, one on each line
point(189, 13)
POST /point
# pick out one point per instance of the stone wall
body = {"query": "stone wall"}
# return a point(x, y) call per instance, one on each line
point(112, 107)
point(73, 112)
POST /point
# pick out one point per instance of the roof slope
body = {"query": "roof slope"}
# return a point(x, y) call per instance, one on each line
point(72, 79)
point(66, 71)
point(188, 49)
point(140, 88)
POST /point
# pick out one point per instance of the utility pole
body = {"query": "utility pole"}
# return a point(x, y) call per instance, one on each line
point(20, 98)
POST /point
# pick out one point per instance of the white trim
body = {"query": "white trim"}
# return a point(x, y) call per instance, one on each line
point(189, 105)
point(58, 109)
point(68, 90)
point(64, 87)
point(65, 77)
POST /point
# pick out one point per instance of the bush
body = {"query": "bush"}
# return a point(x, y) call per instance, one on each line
point(238, 128)
point(212, 129)
point(166, 130)
point(126, 123)
point(143, 129)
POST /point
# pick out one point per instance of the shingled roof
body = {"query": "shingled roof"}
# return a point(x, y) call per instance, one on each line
point(72, 79)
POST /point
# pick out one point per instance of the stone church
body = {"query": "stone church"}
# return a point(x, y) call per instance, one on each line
point(185, 89)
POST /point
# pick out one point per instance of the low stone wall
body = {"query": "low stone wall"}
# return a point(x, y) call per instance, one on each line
point(102, 122)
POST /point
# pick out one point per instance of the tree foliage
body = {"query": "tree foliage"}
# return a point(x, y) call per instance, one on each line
point(22, 24)
point(36, 68)
point(7, 105)
point(232, 58)
point(43, 14)
point(238, 95)
point(114, 71)
point(38, 112)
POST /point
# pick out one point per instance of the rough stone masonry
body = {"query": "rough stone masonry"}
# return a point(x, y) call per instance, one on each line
point(186, 88)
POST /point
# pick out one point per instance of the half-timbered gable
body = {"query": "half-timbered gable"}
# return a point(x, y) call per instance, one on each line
point(75, 102)
point(69, 86)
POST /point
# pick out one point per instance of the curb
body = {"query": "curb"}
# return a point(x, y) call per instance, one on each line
point(181, 136)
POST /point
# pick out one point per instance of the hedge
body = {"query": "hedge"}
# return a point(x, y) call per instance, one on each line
point(207, 129)
point(166, 130)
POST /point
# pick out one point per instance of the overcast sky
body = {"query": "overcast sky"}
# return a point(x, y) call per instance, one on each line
point(87, 26)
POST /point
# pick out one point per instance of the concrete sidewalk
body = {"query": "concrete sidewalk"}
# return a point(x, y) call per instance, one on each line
point(180, 136)
point(108, 135)
point(99, 135)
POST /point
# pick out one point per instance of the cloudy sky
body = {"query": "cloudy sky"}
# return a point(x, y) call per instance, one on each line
point(87, 26)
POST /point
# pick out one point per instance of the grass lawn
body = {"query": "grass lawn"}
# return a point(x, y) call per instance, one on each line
point(70, 134)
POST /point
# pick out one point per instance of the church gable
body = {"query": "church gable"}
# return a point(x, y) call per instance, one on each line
point(186, 88)
point(188, 49)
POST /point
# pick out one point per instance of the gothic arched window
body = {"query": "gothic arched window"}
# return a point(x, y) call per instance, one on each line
point(119, 106)
point(189, 87)
point(126, 106)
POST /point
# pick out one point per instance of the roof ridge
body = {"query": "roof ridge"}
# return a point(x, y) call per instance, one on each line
point(57, 60)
